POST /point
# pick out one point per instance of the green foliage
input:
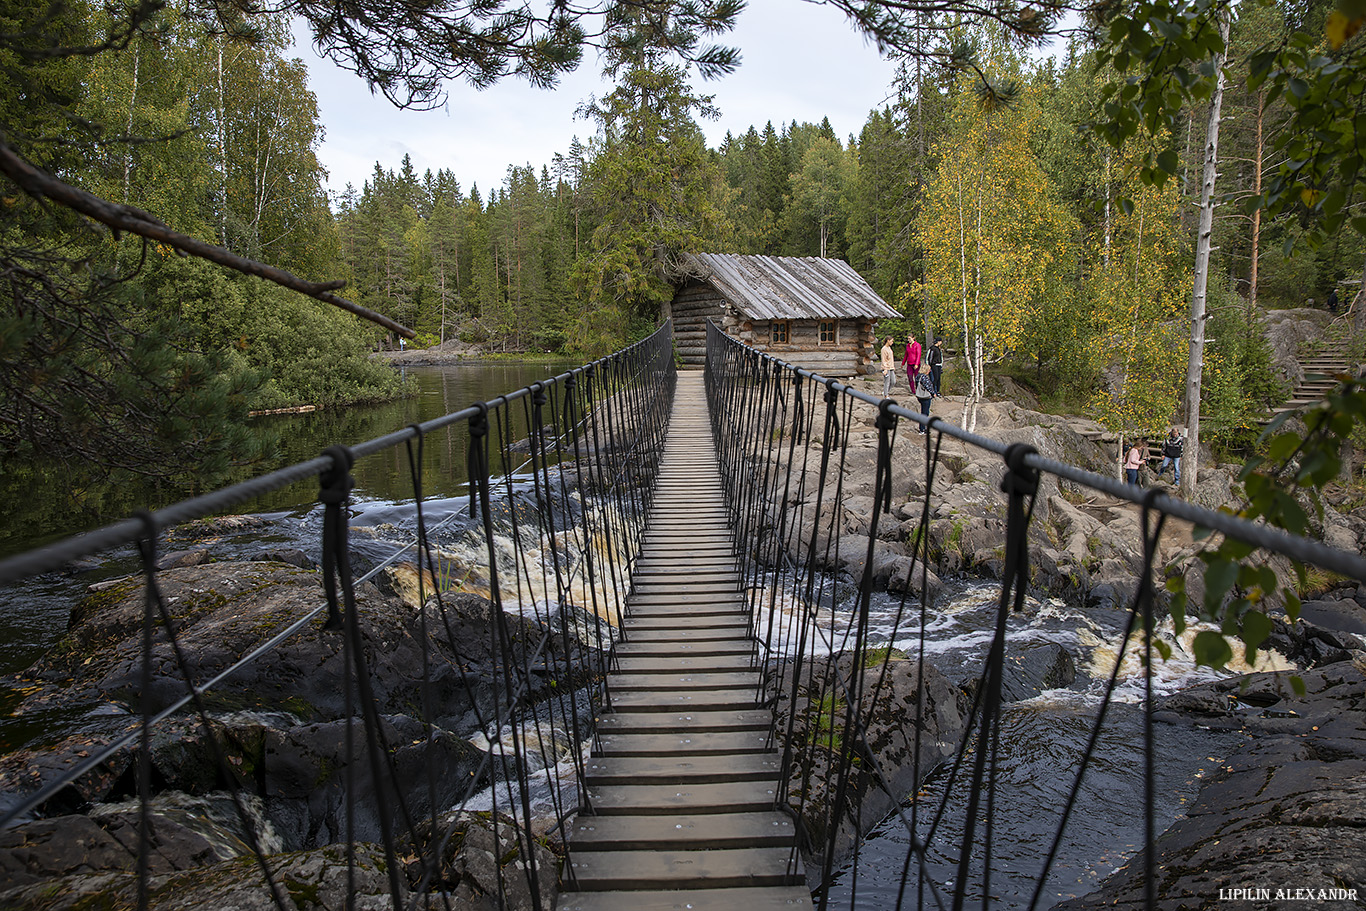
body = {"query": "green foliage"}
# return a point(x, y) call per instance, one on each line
point(820, 189)
point(1163, 50)
point(998, 242)
point(313, 356)
point(1283, 487)
point(1239, 383)
point(118, 359)
point(655, 191)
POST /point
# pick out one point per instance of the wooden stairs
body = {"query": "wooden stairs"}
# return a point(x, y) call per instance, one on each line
point(1321, 371)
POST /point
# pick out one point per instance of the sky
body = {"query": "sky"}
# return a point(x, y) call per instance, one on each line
point(800, 61)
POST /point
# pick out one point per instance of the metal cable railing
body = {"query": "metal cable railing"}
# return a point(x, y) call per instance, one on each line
point(526, 659)
point(787, 440)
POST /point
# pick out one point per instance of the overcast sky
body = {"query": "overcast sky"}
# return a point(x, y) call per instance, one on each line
point(800, 62)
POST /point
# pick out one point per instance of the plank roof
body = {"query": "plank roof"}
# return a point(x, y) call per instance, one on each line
point(788, 287)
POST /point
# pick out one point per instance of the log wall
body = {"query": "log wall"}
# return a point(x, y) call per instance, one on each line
point(696, 302)
point(851, 355)
point(692, 306)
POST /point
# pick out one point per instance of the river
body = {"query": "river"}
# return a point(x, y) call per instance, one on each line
point(33, 615)
point(1044, 735)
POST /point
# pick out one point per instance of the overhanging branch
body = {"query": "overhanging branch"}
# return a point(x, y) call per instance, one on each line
point(41, 185)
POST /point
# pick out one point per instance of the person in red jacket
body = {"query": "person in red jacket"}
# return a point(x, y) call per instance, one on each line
point(911, 360)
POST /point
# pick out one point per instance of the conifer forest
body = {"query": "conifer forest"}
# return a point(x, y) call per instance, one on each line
point(1041, 212)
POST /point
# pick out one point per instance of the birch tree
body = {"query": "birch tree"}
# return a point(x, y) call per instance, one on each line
point(995, 236)
point(1195, 363)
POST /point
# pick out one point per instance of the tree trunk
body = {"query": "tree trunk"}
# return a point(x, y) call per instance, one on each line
point(1109, 230)
point(963, 275)
point(222, 153)
point(979, 386)
point(1191, 463)
point(128, 133)
point(1257, 212)
point(920, 176)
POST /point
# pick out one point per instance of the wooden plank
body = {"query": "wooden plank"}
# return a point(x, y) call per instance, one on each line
point(665, 647)
point(685, 680)
point(732, 624)
point(695, 742)
point(724, 721)
point(649, 586)
point(730, 600)
point(752, 830)
point(671, 700)
point(704, 611)
point(726, 797)
point(601, 771)
point(787, 898)
point(667, 569)
point(726, 867)
point(673, 665)
point(696, 637)
point(694, 541)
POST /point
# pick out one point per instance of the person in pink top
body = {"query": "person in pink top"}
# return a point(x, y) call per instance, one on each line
point(1133, 460)
point(911, 360)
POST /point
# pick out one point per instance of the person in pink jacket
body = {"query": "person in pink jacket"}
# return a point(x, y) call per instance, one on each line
point(911, 360)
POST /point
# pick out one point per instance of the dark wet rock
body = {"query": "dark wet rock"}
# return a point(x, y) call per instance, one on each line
point(309, 881)
point(192, 557)
point(1284, 812)
point(481, 857)
point(1030, 668)
point(1111, 594)
point(303, 774)
point(1311, 645)
point(62, 846)
point(886, 773)
point(1342, 615)
point(289, 555)
point(279, 721)
point(223, 611)
point(216, 526)
point(186, 832)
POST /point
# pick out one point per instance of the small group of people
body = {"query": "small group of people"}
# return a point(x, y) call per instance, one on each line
point(922, 376)
point(1173, 447)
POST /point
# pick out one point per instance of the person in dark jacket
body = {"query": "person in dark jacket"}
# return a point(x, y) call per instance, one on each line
point(924, 391)
point(1172, 448)
point(935, 358)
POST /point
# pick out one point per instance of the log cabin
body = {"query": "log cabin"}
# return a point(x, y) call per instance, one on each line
point(815, 313)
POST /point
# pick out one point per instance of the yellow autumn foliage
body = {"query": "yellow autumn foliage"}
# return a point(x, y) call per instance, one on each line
point(995, 235)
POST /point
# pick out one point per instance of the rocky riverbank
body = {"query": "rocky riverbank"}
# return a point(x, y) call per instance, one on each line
point(279, 723)
point(1086, 550)
point(1281, 824)
point(276, 730)
point(449, 354)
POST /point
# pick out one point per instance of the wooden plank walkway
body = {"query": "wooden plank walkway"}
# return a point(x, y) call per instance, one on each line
point(683, 782)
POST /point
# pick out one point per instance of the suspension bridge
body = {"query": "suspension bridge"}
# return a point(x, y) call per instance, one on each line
point(667, 697)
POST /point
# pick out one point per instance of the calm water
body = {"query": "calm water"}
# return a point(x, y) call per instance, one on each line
point(33, 614)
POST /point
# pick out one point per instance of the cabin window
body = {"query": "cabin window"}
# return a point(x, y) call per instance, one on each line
point(830, 332)
point(780, 332)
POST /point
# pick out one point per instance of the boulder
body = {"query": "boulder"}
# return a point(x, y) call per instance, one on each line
point(307, 880)
point(1031, 666)
point(279, 721)
point(1286, 331)
point(1284, 812)
point(289, 555)
point(886, 772)
point(1345, 615)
